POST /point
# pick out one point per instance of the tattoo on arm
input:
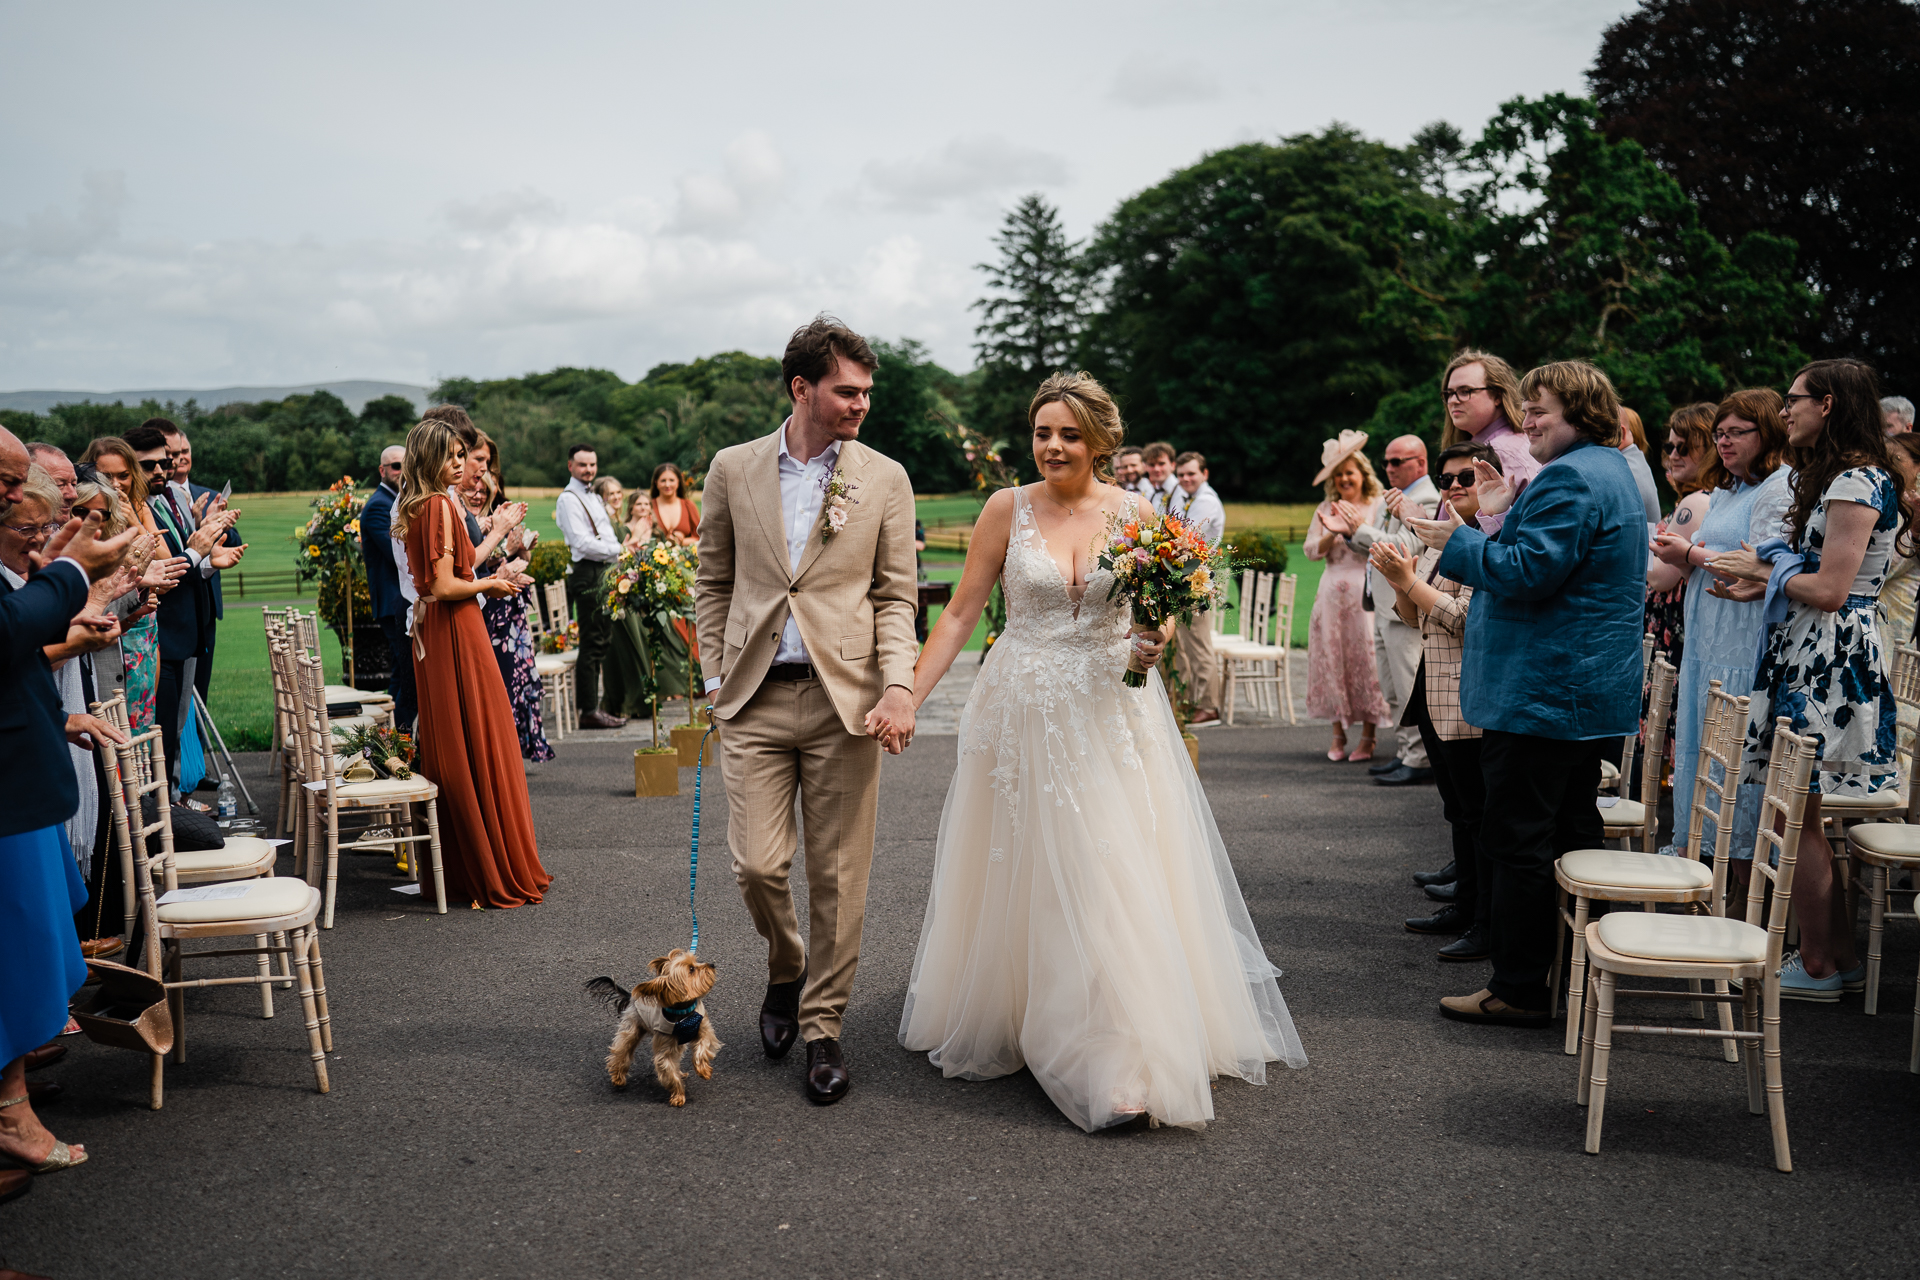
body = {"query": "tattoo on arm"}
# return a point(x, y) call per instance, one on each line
point(1684, 517)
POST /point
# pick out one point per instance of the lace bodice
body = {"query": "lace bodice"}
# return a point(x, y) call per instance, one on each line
point(1041, 610)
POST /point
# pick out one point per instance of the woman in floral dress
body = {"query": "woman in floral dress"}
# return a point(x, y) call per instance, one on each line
point(1825, 667)
point(113, 458)
point(1343, 685)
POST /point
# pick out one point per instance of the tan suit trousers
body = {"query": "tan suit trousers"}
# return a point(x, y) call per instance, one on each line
point(788, 739)
point(1193, 658)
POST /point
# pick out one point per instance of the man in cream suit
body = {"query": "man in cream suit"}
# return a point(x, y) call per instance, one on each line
point(805, 603)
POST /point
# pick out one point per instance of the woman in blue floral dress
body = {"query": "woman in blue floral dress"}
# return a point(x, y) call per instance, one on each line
point(1824, 667)
point(506, 617)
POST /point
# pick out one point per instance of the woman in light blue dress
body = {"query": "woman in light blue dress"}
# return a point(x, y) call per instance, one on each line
point(1754, 489)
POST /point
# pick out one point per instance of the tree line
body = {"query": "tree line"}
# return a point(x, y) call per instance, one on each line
point(1737, 195)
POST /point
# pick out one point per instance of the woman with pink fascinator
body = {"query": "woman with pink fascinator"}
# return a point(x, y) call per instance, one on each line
point(1343, 685)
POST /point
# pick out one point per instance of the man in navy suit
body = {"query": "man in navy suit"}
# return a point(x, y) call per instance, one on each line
point(186, 612)
point(199, 499)
point(383, 581)
point(1550, 664)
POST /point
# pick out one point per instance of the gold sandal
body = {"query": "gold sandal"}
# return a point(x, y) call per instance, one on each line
point(61, 1157)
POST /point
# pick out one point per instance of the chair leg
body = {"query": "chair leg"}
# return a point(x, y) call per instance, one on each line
point(1577, 969)
point(320, 995)
point(1877, 877)
point(262, 963)
point(1913, 1055)
point(433, 847)
point(129, 893)
point(1586, 1016)
point(1731, 1048)
point(1602, 1050)
point(333, 866)
point(177, 1005)
point(1750, 1049)
point(157, 1080)
point(1286, 680)
point(303, 940)
point(1776, 1092)
point(286, 960)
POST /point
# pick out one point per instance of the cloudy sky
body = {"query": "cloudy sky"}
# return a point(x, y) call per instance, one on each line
point(203, 194)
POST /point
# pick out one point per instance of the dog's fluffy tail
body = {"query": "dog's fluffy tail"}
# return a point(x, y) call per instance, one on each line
point(611, 992)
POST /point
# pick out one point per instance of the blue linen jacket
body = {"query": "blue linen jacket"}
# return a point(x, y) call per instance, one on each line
point(1552, 645)
point(41, 788)
point(376, 548)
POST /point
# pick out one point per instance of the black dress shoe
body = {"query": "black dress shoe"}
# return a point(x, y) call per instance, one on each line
point(1442, 892)
point(1383, 766)
point(1471, 945)
point(780, 1016)
point(1405, 777)
point(1449, 919)
point(1444, 875)
point(826, 1072)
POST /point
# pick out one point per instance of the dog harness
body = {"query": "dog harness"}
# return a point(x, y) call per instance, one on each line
point(681, 1021)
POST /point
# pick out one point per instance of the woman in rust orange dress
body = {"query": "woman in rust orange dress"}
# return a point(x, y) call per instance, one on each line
point(675, 518)
point(468, 744)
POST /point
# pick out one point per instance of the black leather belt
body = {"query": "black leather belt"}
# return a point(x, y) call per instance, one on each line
point(787, 672)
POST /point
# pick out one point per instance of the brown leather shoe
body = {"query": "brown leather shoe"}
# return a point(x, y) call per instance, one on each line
point(827, 1080)
point(101, 948)
point(14, 1183)
point(46, 1055)
point(1484, 1006)
point(600, 720)
point(780, 1016)
point(1206, 715)
point(40, 1094)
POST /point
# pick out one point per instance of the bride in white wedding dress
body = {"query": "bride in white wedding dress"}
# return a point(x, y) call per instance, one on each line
point(1084, 920)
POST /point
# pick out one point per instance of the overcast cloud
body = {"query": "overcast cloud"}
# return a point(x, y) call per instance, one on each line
point(209, 194)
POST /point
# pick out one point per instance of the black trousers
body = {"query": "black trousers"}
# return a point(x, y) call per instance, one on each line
point(203, 670)
point(596, 632)
point(406, 704)
point(168, 690)
point(1539, 805)
point(1463, 796)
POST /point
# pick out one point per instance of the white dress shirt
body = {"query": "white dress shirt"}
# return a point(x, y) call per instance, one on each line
point(801, 495)
point(583, 522)
point(1201, 511)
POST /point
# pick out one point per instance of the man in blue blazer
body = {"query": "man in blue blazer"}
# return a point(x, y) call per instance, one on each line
point(1551, 664)
point(383, 581)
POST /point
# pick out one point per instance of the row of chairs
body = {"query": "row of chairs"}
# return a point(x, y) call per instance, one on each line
point(1704, 945)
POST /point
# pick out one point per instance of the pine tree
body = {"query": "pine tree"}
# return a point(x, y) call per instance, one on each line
point(1031, 320)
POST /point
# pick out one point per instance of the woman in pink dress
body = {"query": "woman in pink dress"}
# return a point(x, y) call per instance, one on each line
point(1343, 684)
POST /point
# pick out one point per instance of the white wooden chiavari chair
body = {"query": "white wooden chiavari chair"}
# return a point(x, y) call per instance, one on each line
point(556, 669)
point(265, 907)
point(1710, 947)
point(1626, 819)
point(1262, 664)
point(372, 702)
point(387, 801)
point(291, 759)
point(1893, 844)
point(1586, 876)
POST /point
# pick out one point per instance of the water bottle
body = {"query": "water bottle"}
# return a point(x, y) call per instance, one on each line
point(227, 802)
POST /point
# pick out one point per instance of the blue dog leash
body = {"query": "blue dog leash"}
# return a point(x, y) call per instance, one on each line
point(693, 862)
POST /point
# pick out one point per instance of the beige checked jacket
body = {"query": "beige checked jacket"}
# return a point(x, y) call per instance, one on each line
point(1440, 630)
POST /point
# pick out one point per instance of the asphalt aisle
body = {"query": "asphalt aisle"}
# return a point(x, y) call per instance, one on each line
point(471, 1130)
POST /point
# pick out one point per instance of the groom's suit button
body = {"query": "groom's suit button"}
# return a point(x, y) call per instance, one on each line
point(793, 591)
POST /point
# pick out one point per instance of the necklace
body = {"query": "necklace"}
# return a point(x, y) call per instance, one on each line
point(1063, 506)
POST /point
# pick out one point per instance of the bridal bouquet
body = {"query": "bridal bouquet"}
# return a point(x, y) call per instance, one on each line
point(655, 578)
point(1162, 569)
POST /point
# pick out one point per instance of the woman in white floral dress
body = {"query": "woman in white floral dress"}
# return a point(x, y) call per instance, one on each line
point(1084, 920)
point(1824, 667)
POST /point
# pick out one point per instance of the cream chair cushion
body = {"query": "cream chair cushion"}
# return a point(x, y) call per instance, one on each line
point(390, 789)
point(240, 852)
point(264, 899)
point(1711, 939)
point(1895, 841)
point(547, 665)
point(1879, 802)
point(1634, 870)
point(1625, 813)
point(347, 693)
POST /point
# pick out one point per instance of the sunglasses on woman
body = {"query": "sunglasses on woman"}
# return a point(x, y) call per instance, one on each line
point(1448, 479)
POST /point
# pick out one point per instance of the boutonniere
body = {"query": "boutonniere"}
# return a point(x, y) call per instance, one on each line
point(838, 490)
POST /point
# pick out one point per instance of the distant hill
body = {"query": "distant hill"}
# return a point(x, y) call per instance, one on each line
point(355, 393)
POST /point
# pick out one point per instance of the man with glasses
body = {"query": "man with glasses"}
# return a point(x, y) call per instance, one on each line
point(185, 613)
point(1481, 395)
point(1396, 646)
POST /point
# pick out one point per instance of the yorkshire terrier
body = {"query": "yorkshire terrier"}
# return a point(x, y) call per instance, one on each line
point(672, 1006)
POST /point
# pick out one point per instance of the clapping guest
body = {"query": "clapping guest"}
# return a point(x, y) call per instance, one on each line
point(502, 550)
point(1693, 470)
point(1751, 491)
point(584, 523)
point(1825, 667)
point(1200, 508)
point(1158, 484)
point(114, 461)
point(1342, 683)
point(1562, 586)
point(638, 519)
point(383, 581)
point(1438, 607)
point(675, 518)
point(59, 468)
point(1128, 468)
point(1396, 646)
point(1481, 394)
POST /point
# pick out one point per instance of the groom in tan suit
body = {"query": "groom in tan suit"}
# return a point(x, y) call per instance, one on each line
point(805, 603)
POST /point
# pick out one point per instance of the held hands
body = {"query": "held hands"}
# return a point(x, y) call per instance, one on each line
point(891, 720)
point(1436, 533)
point(1395, 565)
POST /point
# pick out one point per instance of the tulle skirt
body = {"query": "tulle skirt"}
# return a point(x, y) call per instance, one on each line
point(1084, 920)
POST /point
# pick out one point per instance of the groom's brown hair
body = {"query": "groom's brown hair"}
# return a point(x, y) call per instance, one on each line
point(815, 350)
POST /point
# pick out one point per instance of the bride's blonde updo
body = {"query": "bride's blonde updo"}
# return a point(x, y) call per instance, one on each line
point(1092, 408)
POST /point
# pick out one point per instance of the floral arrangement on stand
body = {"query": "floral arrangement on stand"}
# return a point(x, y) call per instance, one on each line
point(329, 553)
point(655, 580)
point(1163, 570)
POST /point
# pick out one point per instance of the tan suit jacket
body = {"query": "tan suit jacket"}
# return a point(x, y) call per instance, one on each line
point(854, 595)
